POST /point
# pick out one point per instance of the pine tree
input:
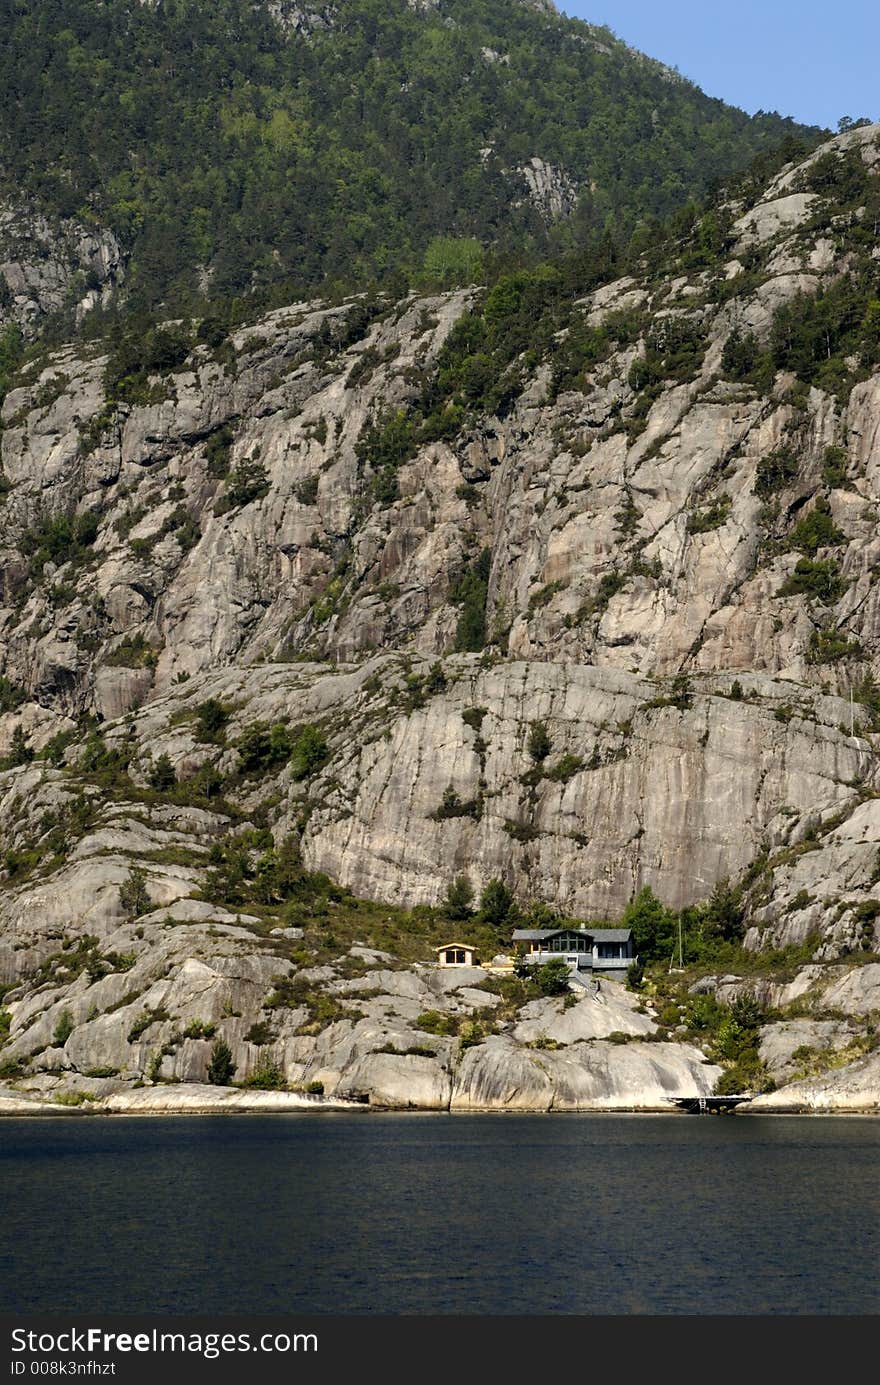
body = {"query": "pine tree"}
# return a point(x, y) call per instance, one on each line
point(459, 900)
point(162, 775)
point(20, 751)
point(221, 1068)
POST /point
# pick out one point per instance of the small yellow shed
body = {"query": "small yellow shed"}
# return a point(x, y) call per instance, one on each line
point(456, 955)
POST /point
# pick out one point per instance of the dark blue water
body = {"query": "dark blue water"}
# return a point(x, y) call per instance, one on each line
point(441, 1214)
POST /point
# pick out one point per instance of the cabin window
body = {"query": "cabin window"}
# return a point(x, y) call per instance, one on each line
point(569, 942)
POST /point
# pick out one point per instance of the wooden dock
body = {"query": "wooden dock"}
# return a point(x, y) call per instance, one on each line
point(709, 1105)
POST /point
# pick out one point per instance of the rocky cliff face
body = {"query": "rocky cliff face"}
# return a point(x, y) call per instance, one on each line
point(629, 526)
point(48, 268)
point(667, 554)
point(296, 18)
point(635, 789)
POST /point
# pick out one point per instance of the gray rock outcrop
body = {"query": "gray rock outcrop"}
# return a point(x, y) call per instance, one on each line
point(47, 268)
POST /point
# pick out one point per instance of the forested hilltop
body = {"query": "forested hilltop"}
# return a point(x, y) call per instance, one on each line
point(230, 145)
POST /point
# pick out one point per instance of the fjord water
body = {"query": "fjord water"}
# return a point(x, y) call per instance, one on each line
point(399, 1214)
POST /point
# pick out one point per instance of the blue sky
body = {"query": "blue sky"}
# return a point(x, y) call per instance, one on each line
point(815, 60)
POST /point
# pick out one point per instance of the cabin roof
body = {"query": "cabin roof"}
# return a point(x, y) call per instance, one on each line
point(466, 947)
point(599, 935)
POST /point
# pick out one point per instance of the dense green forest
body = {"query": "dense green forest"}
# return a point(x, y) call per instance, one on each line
point(380, 143)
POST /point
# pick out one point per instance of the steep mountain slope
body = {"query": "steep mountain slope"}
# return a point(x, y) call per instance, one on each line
point(570, 591)
point(235, 145)
point(675, 474)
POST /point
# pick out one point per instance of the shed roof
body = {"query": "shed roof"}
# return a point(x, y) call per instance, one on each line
point(466, 947)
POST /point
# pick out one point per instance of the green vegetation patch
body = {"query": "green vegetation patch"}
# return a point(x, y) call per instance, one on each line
point(821, 580)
